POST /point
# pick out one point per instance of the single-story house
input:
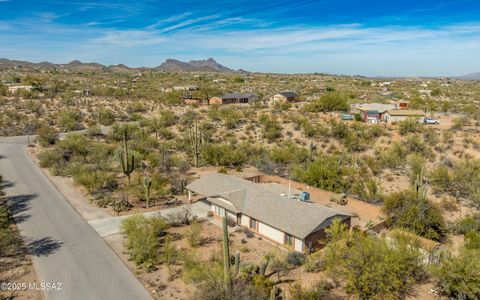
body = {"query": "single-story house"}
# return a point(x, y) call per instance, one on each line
point(15, 88)
point(284, 97)
point(285, 220)
point(234, 98)
point(366, 111)
point(397, 115)
point(189, 87)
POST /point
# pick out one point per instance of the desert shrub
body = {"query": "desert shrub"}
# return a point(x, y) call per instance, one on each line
point(459, 122)
point(466, 177)
point(180, 217)
point(317, 292)
point(229, 154)
point(409, 125)
point(329, 102)
point(327, 172)
point(373, 268)
point(459, 275)
point(105, 116)
point(211, 285)
point(314, 263)
point(470, 223)
point(143, 239)
point(50, 159)
point(194, 234)
point(472, 240)
point(367, 189)
point(296, 258)
point(407, 209)
point(272, 129)
point(170, 256)
point(47, 135)
point(288, 152)
point(440, 178)
point(415, 144)
point(69, 119)
point(394, 156)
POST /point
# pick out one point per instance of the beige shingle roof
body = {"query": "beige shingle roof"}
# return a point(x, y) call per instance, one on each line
point(289, 215)
point(406, 112)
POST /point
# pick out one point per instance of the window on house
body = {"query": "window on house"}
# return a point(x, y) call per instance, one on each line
point(253, 224)
point(288, 239)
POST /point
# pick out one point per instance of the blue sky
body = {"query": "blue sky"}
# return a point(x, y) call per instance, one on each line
point(407, 38)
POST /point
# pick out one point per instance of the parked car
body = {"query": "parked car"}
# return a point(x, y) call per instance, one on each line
point(431, 121)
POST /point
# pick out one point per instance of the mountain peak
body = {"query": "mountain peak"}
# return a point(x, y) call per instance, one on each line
point(208, 64)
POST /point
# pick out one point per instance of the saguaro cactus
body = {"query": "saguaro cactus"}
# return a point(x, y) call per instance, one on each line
point(127, 161)
point(195, 142)
point(147, 184)
point(227, 268)
point(419, 186)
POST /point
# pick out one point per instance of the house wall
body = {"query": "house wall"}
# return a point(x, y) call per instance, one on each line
point(192, 101)
point(270, 232)
point(391, 119)
point(279, 98)
point(215, 100)
point(245, 221)
point(299, 246)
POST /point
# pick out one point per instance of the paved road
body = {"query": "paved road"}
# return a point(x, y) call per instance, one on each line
point(64, 247)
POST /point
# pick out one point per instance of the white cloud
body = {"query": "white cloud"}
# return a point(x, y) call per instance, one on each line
point(343, 48)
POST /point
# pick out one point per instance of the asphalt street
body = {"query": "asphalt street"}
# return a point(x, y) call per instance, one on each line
point(64, 247)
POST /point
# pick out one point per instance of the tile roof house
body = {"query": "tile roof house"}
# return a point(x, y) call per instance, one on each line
point(296, 224)
point(234, 98)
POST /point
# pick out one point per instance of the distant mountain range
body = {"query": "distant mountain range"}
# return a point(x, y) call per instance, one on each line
point(472, 76)
point(170, 65)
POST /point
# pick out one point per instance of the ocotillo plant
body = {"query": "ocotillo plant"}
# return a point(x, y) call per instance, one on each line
point(127, 161)
point(147, 184)
point(227, 272)
point(195, 142)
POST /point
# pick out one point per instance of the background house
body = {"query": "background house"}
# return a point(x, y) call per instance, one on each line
point(269, 211)
point(372, 112)
point(15, 88)
point(393, 116)
point(234, 98)
point(284, 97)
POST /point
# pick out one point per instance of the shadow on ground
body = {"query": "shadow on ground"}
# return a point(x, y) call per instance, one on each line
point(6, 184)
point(19, 205)
point(44, 246)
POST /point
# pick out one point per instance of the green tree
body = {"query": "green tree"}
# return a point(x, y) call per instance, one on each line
point(143, 239)
point(407, 209)
point(331, 101)
point(373, 268)
point(328, 172)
